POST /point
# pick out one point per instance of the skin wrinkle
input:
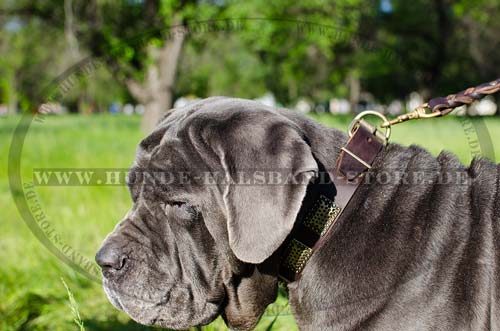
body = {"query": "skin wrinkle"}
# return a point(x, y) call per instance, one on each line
point(225, 194)
point(145, 298)
point(138, 228)
point(405, 255)
point(486, 249)
point(373, 315)
point(394, 199)
point(155, 246)
point(196, 136)
point(148, 245)
point(390, 199)
point(148, 226)
point(201, 278)
point(435, 194)
point(444, 274)
point(198, 144)
point(174, 254)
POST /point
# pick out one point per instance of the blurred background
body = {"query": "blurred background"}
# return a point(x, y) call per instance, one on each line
point(105, 71)
point(337, 56)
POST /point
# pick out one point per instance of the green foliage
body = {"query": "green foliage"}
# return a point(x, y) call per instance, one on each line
point(303, 49)
point(23, 54)
point(435, 47)
point(225, 67)
point(299, 44)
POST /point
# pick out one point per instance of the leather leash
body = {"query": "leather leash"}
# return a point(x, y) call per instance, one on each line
point(443, 106)
point(324, 202)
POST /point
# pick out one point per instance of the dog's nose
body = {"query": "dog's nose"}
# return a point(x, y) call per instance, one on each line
point(109, 257)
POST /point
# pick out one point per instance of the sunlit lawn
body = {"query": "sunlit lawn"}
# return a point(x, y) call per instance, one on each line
point(32, 296)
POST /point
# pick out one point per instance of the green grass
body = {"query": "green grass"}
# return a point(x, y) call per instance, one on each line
point(73, 305)
point(32, 295)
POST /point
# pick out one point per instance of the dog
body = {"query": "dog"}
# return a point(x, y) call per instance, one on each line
point(416, 251)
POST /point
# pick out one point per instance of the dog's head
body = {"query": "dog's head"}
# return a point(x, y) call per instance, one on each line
point(200, 239)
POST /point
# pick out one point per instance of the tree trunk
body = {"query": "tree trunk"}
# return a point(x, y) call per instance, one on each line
point(69, 31)
point(156, 92)
point(12, 96)
point(443, 36)
point(152, 114)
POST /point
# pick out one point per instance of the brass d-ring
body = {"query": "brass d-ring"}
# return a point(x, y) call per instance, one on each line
point(358, 118)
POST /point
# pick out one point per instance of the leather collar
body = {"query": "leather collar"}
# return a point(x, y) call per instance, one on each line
point(326, 198)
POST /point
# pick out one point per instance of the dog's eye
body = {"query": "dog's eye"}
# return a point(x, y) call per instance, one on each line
point(176, 203)
point(173, 204)
point(179, 208)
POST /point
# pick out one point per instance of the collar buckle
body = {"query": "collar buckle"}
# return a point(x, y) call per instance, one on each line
point(324, 203)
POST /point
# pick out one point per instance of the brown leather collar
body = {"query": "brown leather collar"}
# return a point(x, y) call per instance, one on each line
point(326, 198)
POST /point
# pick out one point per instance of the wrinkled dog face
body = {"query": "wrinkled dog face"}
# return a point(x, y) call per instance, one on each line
point(159, 247)
point(187, 251)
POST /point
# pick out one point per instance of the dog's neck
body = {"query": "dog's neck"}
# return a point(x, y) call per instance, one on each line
point(392, 226)
point(405, 244)
point(327, 196)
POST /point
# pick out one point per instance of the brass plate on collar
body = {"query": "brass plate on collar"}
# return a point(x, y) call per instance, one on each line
point(322, 215)
point(297, 256)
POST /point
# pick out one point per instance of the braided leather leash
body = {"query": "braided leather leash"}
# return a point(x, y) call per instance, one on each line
point(443, 106)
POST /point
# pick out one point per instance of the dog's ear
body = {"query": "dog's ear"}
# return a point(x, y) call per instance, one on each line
point(269, 164)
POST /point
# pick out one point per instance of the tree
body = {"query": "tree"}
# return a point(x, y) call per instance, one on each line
point(23, 52)
point(310, 48)
point(302, 44)
point(431, 46)
point(140, 41)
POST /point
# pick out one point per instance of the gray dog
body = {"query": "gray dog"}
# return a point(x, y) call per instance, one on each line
point(417, 248)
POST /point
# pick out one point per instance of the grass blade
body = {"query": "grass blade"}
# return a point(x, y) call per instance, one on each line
point(73, 305)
